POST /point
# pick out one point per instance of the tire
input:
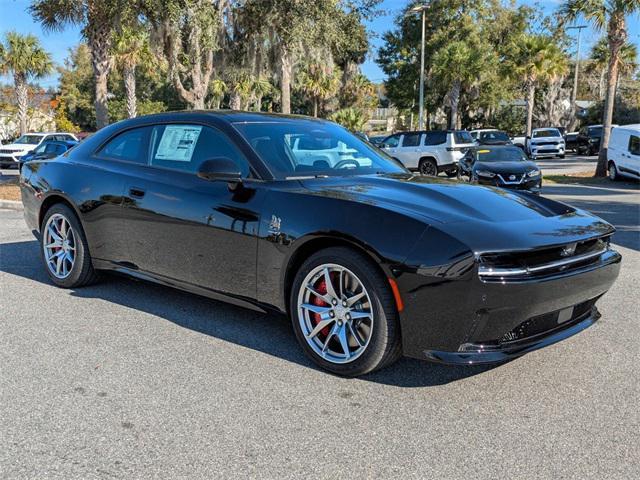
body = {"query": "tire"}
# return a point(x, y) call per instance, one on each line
point(452, 173)
point(613, 172)
point(69, 265)
point(379, 343)
point(429, 167)
point(560, 156)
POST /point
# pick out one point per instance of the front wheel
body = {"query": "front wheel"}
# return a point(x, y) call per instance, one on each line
point(64, 249)
point(613, 172)
point(344, 314)
point(429, 167)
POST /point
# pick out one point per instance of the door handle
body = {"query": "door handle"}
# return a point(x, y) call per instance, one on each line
point(136, 192)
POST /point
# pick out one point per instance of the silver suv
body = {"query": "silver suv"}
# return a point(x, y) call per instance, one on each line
point(429, 152)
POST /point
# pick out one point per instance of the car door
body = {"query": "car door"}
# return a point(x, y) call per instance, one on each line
point(435, 144)
point(185, 228)
point(632, 155)
point(390, 144)
point(409, 150)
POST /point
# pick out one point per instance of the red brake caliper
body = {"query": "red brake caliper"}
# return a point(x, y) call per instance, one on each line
point(321, 288)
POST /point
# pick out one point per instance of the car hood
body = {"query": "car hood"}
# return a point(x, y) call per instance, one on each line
point(505, 167)
point(487, 218)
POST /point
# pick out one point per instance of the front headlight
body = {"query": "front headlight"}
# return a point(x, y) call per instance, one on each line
point(484, 173)
point(533, 173)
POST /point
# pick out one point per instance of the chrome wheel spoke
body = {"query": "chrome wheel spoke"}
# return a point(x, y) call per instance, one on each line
point(321, 326)
point(344, 343)
point(325, 298)
point(355, 314)
point(327, 279)
point(356, 335)
point(351, 301)
point(315, 308)
point(325, 346)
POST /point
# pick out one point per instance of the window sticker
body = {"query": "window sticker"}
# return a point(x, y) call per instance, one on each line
point(178, 142)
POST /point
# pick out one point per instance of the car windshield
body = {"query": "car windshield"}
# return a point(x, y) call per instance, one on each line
point(494, 135)
point(311, 148)
point(550, 132)
point(29, 139)
point(595, 131)
point(500, 155)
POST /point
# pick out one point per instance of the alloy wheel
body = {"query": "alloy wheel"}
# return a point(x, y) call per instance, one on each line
point(428, 168)
point(335, 313)
point(59, 244)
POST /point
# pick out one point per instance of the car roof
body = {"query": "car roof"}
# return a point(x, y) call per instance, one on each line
point(633, 127)
point(231, 116)
point(495, 147)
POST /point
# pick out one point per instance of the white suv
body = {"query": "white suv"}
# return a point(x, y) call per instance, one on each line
point(545, 142)
point(429, 152)
point(623, 153)
point(11, 154)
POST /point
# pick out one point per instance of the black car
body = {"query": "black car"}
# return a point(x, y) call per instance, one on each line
point(571, 141)
point(493, 137)
point(588, 140)
point(48, 149)
point(504, 166)
point(298, 216)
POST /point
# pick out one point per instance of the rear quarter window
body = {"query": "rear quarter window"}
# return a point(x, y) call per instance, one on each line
point(435, 138)
point(128, 146)
point(463, 137)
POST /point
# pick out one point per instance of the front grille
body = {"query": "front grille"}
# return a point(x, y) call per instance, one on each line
point(517, 266)
point(544, 324)
point(538, 144)
point(6, 150)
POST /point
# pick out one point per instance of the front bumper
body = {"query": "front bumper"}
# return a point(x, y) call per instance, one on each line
point(477, 354)
point(9, 159)
point(545, 150)
point(465, 319)
point(532, 184)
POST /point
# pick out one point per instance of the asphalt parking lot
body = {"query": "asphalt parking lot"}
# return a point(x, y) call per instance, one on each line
point(130, 380)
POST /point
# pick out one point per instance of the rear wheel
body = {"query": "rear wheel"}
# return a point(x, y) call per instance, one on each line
point(428, 166)
point(452, 173)
point(344, 314)
point(64, 249)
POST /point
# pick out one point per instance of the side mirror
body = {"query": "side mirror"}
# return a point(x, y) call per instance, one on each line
point(528, 137)
point(220, 168)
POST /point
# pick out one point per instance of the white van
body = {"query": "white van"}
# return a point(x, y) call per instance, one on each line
point(623, 154)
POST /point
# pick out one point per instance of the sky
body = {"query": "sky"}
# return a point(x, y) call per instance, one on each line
point(14, 16)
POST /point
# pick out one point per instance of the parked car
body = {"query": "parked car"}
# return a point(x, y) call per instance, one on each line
point(490, 136)
point(545, 142)
point(48, 149)
point(369, 260)
point(588, 141)
point(571, 142)
point(504, 166)
point(429, 152)
point(10, 154)
point(623, 153)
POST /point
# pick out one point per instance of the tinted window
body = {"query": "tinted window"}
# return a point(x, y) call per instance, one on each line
point(495, 135)
point(436, 138)
point(392, 141)
point(277, 143)
point(54, 148)
point(463, 137)
point(129, 146)
point(184, 147)
point(595, 131)
point(411, 139)
point(29, 139)
point(634, 145)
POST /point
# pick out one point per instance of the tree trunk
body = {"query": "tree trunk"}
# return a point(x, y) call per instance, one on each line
point(129, 74)
point(22, 98)
point(617, 36)
point(531, 94)
point(285, 80)
point(235, 101)
point(454, 99)
point(99, 39)
point(315, 107)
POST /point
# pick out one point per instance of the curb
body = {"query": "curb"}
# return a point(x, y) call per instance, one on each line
point(11, 205)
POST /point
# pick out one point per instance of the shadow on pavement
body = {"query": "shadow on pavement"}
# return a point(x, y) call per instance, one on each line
point(267, 333)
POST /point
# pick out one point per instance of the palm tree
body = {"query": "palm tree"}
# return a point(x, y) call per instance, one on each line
point(130, 48)
point(600, 61)
point(96, 18)
point(610, 15)
point(217, 89)
point(352, 119)
point(537, 60)
point(319, 83)
point(23, 57)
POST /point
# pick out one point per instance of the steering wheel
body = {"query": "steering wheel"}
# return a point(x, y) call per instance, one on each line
point(344, 163)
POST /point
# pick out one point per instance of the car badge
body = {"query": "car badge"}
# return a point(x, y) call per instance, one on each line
point(512, 177)
point(568, 250)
